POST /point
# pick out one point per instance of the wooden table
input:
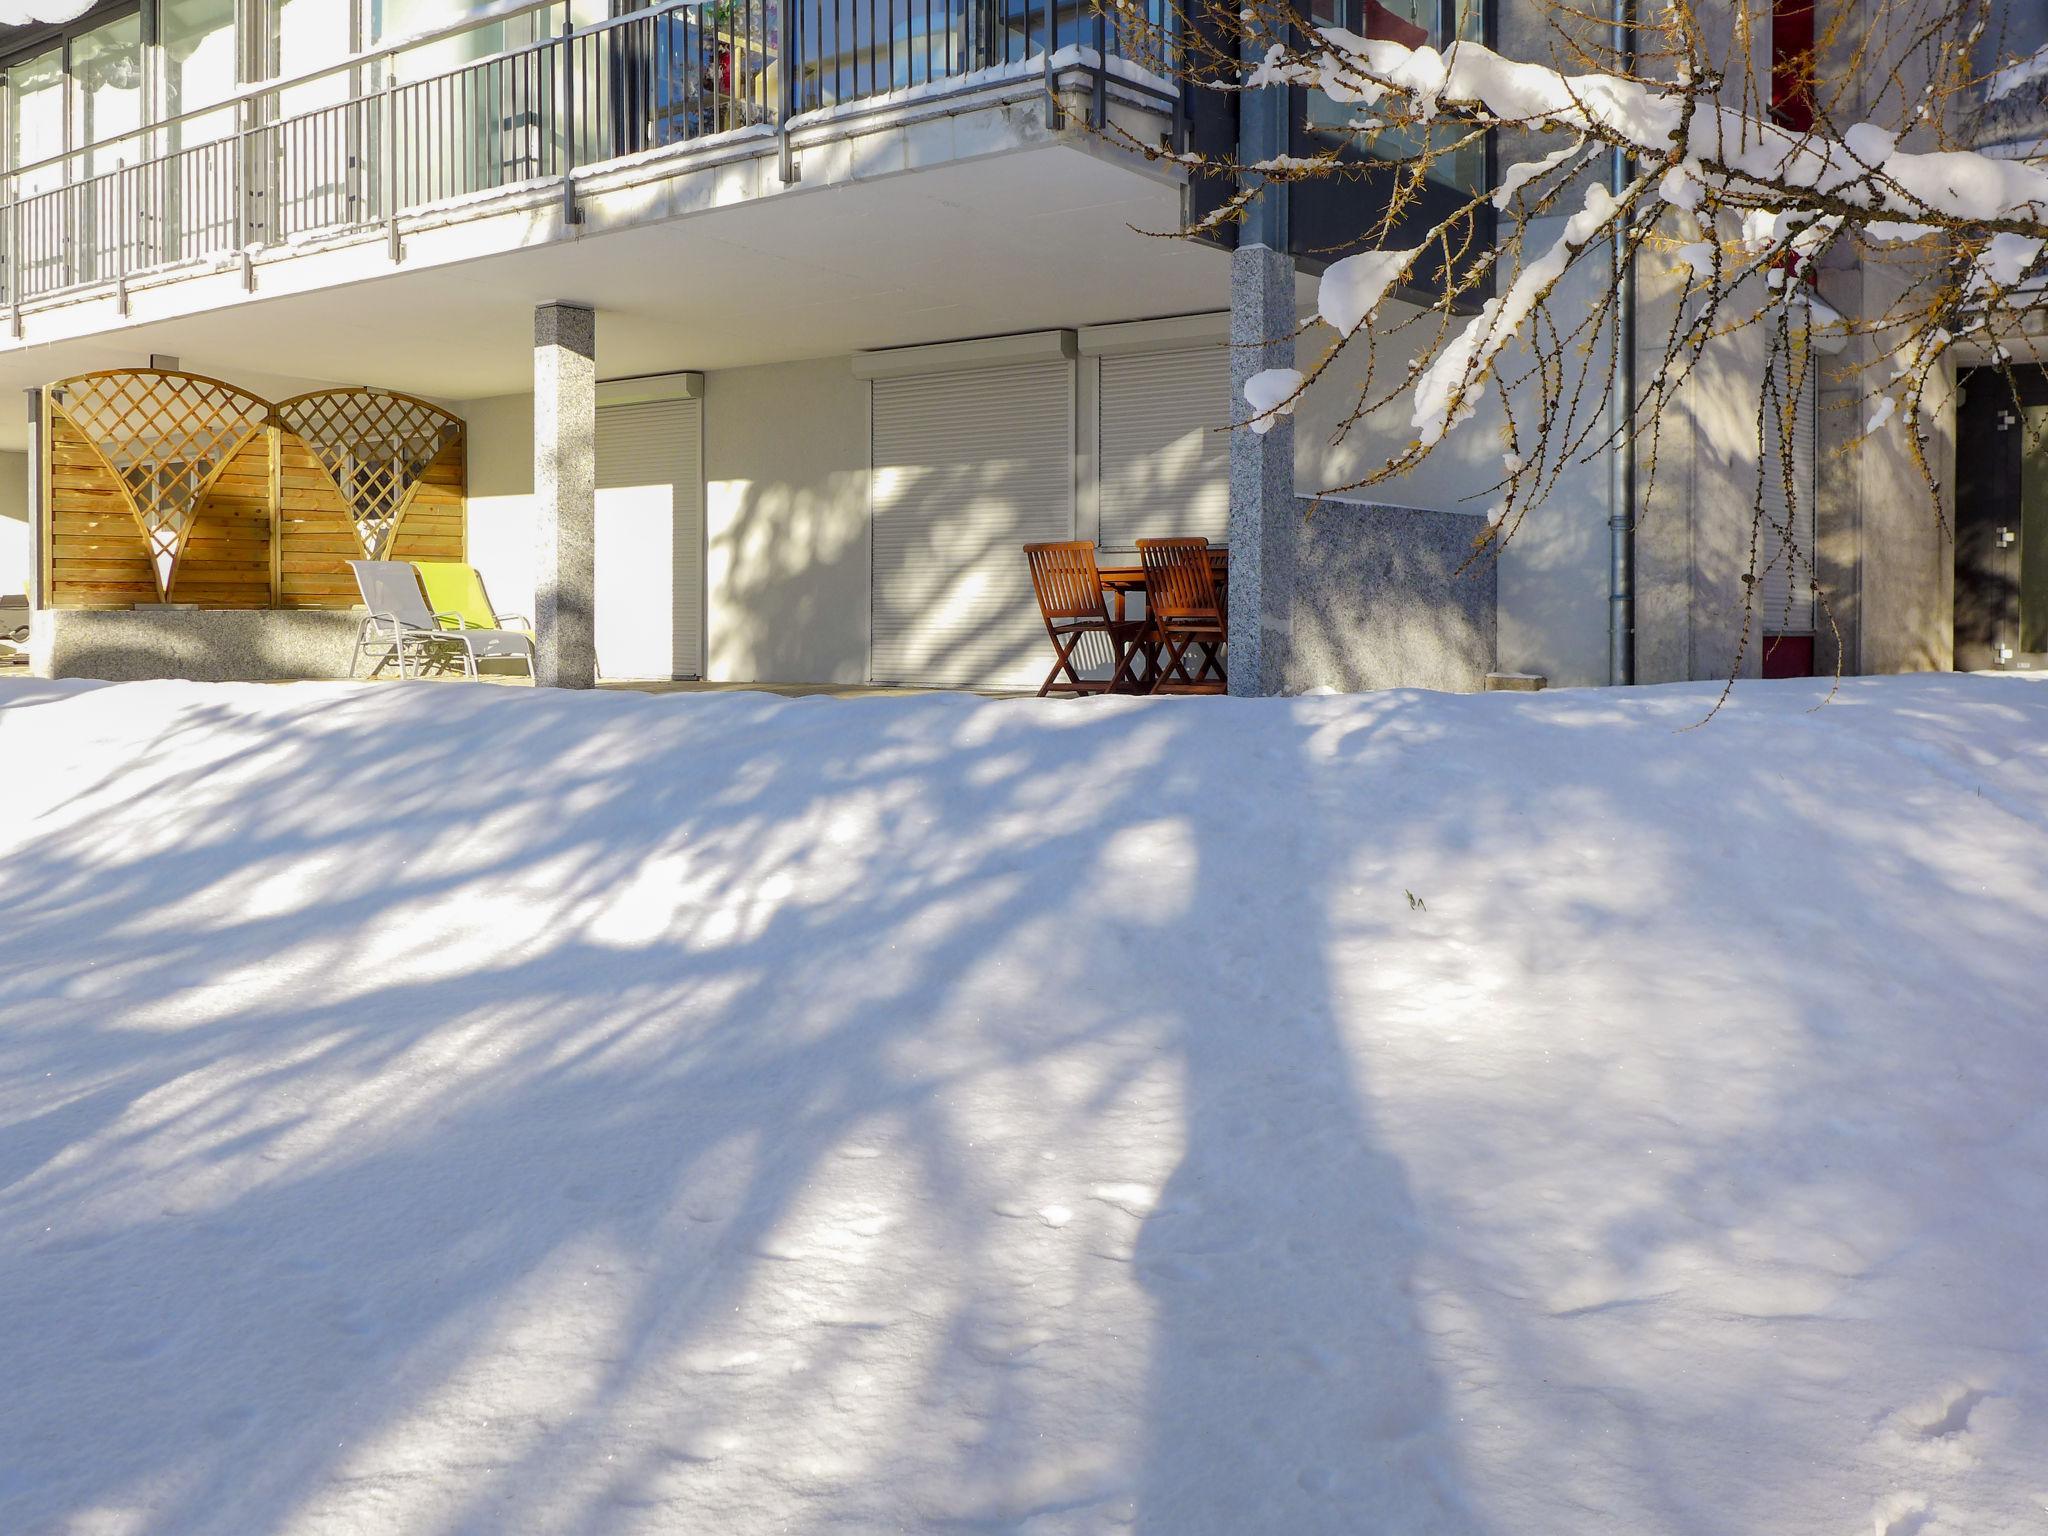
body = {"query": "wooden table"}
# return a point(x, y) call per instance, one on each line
point(1119, 581)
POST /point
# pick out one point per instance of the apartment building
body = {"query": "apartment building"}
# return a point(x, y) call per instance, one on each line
point(806, 314)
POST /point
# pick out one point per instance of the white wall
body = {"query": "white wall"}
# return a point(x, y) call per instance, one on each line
point(501, 512)
point(786, 518)
point(786, 523)
point(14, 542)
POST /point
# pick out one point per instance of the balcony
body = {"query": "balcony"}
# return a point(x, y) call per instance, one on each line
point(541, 121)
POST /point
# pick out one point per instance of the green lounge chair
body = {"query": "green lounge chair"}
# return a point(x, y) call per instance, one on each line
point(401, 626)
point(456, 594)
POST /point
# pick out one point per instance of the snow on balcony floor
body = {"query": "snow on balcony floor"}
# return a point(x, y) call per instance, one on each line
point(436, 1109)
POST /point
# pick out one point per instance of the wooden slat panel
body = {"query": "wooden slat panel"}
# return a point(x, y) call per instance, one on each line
point(226, 556)
point(270, 518)
point(98, 555)
point(315, 533)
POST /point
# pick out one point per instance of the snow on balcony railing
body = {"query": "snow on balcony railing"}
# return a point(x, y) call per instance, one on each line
point(667, 75)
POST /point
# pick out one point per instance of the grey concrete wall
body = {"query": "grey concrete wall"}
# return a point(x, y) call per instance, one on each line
point(1389, 597)
point(203, 645)
point(565, 495)
point(786, 524)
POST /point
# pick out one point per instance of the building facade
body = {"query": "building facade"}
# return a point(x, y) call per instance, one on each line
point(777, 326)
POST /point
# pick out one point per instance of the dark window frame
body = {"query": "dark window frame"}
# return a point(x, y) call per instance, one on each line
point(61, 35)
point(1320, 213)
point(26, 42)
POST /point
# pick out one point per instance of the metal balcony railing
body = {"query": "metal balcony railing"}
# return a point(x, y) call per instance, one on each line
point(671, 74)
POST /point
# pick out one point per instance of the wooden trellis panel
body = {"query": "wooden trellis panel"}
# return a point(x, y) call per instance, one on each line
point(431, 524)
point(96, 553)
point(226, 559)
point(165, 436)
point(375, 446)
point(172, 486)
point(316, 537)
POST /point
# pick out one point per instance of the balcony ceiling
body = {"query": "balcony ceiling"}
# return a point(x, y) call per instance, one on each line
point(1013, 242)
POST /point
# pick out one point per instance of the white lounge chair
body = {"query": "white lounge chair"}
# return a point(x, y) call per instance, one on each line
point(400, 625)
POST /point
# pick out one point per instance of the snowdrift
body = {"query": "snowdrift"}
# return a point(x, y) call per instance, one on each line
point(433, 1109)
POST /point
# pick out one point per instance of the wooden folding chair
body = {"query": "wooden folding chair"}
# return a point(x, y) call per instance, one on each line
point(1070, 600)
point(1182, 608)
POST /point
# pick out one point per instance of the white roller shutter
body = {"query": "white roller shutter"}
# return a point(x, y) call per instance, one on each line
point(650, 540)
point(968, 468)
point(1165, 463)
point(1784, 594)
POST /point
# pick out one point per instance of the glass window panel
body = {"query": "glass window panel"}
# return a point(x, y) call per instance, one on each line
point(106, 93)
point(310, 34)
point(199, 66)
point(35, 118)
point(394, 20)
point(1416, 24)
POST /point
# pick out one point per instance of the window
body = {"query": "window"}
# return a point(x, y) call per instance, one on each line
point(393, 21)
point(35, 118)
point(80, 99)
point(305, 35)
point(198, 39)
point(1415, 23)
point(1333, 216)
point(106, 94)
point(1792, 75)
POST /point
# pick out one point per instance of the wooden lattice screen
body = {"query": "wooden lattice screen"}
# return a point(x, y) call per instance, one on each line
point(165, 486)
point(375, 447)
point(165, 436)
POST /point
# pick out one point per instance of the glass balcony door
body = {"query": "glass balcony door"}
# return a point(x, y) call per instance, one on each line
point(196, 182)
point(313, 164)
point(74, 119)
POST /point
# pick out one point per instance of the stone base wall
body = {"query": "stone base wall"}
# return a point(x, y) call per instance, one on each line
point(201, 644)
point(1380, 601)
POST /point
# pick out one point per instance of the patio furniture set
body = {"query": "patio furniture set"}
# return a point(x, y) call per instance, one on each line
point(1176, 646)
point(432, 614)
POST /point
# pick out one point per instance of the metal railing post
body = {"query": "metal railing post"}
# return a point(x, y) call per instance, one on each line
point(122, 182)
point(1054, 117)
point(571, 214)
point(238, 189)
point(785, 93)
point(11, 259)
point(387, 155)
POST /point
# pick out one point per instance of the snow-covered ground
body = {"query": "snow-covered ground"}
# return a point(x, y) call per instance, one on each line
point(437, 1108)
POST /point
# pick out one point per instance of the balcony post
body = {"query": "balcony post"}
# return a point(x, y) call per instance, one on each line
point(1265, 514)
point(565, 494)
point(387, 156)
point(38, 493)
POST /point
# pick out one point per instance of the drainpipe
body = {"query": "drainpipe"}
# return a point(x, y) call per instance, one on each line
point(1621, 503)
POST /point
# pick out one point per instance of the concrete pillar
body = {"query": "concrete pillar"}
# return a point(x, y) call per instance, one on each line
point(37, 491)
point(565, 493)
point(1265, 514)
